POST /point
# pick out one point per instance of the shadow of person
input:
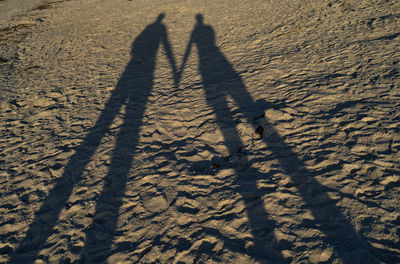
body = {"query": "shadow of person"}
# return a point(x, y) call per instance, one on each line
point(219, 81)
point(132, 90)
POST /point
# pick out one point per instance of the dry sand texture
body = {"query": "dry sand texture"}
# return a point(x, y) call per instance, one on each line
point(268, 132)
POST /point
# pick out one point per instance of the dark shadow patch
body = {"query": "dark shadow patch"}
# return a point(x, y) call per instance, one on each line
point(132, 90)
point(338, 232)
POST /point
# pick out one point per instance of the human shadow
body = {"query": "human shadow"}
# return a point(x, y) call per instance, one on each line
point(219, 81)
point(132, 90)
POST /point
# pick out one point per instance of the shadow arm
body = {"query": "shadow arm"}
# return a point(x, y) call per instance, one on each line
point(171, 58)
point(185, 58)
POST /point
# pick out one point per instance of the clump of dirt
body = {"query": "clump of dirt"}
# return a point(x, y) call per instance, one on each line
point(6, 32)
point(46, 5)
point(3, 60)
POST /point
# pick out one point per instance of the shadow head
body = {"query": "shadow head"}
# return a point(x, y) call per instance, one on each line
point(199, 18)
point(160, 17)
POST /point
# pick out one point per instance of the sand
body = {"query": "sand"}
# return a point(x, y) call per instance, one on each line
point(200, 131)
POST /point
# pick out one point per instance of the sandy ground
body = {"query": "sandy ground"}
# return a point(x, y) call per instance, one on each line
point(225, 132)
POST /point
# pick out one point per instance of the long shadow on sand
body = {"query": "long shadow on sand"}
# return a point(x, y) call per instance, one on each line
point(132, 91)
point(220, 80)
